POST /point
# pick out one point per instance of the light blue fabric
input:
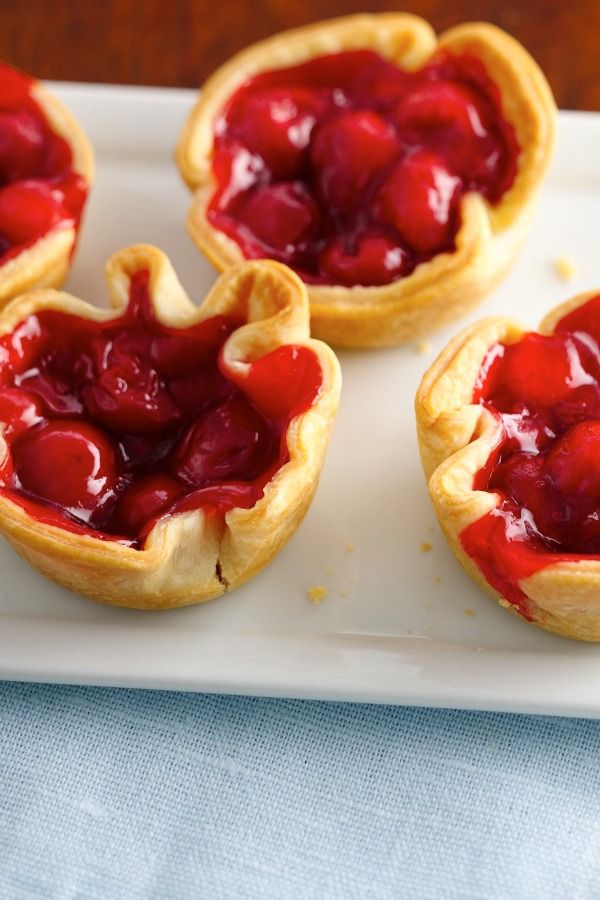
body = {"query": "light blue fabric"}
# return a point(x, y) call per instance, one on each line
point(129, 794)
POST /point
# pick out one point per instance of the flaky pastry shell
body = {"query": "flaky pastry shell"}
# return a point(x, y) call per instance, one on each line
point(456, 438)
point(450, 284)
point(191, 557)
point(46, 263)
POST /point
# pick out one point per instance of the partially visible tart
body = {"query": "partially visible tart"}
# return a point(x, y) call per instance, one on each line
point(161, 454)
point(394, 171)
point(46, 171)
point(509, 431)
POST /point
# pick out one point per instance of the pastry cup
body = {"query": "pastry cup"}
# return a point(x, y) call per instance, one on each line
point(456, 438)
point(46, 262)
point(450, 284)
point(190, 557)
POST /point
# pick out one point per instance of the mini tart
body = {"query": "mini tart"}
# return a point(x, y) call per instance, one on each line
point(508, 425)
point(160, 454)
point(442, 285)
point(46, 171)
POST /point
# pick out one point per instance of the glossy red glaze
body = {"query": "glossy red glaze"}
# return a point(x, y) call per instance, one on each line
point(546, 468)
point(39, 191)
point(351, 170)
point(19, 410)
point(112, 425)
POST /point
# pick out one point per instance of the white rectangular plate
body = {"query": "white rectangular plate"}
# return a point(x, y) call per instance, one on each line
point(398, 625)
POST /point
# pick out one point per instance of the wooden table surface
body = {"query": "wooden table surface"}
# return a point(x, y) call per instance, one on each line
point(179, 43)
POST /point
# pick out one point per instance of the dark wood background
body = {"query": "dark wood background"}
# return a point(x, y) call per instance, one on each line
point(179, 43)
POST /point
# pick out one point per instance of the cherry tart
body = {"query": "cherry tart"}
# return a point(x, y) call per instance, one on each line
point(509, 431)
point(160, 454)
point(46, 171)
point(394, 171)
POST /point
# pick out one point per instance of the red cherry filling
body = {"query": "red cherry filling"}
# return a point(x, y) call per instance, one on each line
point(117, 424)
point(145, 500)
point(18, 410)
point(573, 463)
point(460, 124)
point(374, 259)
point(38, 188)
point(310, 162)
point(276, 125)
point(130, 397)
point(282, 216)
point(22, 145)
point(547, 467)
point(29, 209)
point(347, 152)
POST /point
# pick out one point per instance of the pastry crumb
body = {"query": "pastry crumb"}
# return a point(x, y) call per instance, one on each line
point(423, 347)
point(437, 579)
point(350, 547)
point(469, 612)
point(426, 547)
point(317, 593)
point(565, 268)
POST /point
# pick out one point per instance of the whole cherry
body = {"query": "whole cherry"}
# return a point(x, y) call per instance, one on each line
point(232, 442)
point(419, 198)
point(70, 463)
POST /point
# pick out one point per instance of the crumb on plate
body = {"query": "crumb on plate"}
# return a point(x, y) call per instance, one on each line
point(469, 612)
point(317, 593)
point(426, 547)
point(350, 547)
point(423, 347)
point(565, 268)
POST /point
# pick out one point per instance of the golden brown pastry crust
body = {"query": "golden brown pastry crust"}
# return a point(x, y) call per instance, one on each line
point(192, 556)
point(456, 438)
point(46, 263)
point(450, 284)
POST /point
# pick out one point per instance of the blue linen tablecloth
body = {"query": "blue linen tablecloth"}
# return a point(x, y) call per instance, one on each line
point(114, 794)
